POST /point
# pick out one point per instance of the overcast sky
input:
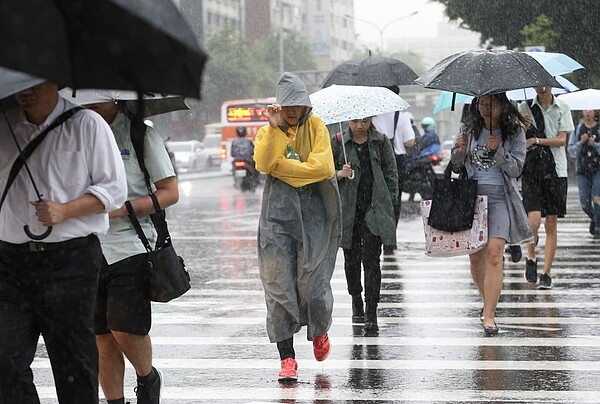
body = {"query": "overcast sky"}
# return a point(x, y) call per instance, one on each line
point(381, 12)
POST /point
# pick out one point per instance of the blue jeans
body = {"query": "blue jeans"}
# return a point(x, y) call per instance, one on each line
point(51, 293)
point(589, 187)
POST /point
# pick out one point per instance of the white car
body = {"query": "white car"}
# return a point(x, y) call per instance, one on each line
point(212, 150)
point(188, 154)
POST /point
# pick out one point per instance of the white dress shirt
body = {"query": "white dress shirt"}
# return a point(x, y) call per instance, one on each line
point(384, 123)
point(78, 157)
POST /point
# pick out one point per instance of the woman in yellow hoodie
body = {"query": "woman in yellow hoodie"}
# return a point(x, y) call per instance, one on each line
point(299, 227)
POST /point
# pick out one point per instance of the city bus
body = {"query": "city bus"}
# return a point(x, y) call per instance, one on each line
point(235, 113)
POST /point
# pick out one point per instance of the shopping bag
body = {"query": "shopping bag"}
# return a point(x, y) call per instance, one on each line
point(440, 243)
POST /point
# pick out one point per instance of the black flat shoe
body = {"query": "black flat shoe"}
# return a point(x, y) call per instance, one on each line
point(491, 330)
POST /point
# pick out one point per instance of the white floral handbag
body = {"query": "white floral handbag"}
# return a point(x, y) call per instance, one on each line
point(439, 243)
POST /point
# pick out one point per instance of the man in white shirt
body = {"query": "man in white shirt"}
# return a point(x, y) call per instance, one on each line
point(398, 128)
point(49, 287)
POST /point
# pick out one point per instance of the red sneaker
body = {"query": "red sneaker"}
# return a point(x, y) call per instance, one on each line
point(321, 347)
point(289, 368)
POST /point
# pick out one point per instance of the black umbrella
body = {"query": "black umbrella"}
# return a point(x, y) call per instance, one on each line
point(374, 71)
point(154, 104)
point(484, 72)
point(141, 45)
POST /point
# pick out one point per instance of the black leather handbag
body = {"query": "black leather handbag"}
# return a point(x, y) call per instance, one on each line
point(163, 271)
point(453, 202)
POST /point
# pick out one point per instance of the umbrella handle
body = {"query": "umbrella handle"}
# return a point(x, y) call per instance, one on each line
point(37, 236)
point(351, 176)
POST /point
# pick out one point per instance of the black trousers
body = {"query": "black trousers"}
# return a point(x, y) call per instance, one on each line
point(366, 249)
point(51, 293)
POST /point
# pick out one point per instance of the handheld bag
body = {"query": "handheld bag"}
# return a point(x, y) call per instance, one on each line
point(164, 273)
point(440, 243)
point(453, 203)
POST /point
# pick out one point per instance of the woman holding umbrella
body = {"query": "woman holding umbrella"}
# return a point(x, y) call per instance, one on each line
point(368, 219)
point(491, 147)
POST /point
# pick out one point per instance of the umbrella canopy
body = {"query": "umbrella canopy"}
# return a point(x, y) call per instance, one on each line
point(11, 82)
point(343, 103)
point(484, 72)
point(371, 71)
point(445, 99)
point(154, 104)
point(556, 63)
point(582, 100)
point(142, 45)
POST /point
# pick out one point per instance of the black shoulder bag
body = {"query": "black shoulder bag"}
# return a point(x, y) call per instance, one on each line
point(164, 274)
point(539, 160)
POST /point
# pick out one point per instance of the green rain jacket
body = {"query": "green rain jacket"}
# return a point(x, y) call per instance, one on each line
point(380, 215)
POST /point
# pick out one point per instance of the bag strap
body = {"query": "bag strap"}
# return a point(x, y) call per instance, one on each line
point(137, 227)
point(138, 134)
point(31, 146)
point(539, 118)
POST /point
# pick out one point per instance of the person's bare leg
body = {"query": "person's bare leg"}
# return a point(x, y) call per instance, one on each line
point(494, 275)
point(138, 349)
point(535, 221)
point(111, 366)
point(551, 227)
point(478, 271)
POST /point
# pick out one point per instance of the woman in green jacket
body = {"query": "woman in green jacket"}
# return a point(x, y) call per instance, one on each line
point(368, 185)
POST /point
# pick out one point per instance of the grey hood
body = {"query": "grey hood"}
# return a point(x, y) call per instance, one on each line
point(291, 92)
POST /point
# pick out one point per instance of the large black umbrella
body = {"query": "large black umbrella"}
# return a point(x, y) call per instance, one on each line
point(484, 72)
point(140, 45)
point(374, 71)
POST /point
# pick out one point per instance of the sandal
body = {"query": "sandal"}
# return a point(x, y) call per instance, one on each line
point(493, 330)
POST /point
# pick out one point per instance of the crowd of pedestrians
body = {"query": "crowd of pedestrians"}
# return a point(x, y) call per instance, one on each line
point(321, 193)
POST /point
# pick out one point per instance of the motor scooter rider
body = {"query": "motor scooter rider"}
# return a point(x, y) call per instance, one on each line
point(243, 149)
point(430, 142)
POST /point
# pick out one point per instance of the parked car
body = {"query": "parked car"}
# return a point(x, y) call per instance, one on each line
point(212, 150)
point(188, 154)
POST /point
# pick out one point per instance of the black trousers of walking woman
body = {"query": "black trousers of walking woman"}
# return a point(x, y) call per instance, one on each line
point(366, 249)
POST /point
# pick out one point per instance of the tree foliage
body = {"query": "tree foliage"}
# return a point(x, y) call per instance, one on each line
point(239, 69)
point(569, 27)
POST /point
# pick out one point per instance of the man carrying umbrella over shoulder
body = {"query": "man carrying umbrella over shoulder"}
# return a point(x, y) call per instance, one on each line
point(49, 287)
point(299, 228)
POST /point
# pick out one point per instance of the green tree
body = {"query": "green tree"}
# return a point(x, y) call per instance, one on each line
point(540, 32)
point(239, 69)
point(570, 28)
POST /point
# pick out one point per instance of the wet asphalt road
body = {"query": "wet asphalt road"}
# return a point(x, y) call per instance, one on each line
point(212, 347)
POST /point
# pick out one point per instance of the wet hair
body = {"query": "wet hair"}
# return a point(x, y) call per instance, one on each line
point(510, 118)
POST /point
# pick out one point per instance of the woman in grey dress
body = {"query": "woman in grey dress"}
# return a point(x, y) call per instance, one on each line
point(491, 147)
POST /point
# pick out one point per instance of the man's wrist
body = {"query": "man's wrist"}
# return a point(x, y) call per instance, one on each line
point(537, 140)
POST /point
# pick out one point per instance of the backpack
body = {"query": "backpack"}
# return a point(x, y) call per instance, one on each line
point(539, 160)
point(588, 159)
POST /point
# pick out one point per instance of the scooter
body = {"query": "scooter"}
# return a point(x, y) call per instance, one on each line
point(420, 177)
point(244, 176)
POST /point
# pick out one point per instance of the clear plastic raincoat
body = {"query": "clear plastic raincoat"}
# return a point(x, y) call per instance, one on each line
point(299, 227)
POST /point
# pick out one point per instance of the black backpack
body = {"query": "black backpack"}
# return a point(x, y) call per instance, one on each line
point(539, 161)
